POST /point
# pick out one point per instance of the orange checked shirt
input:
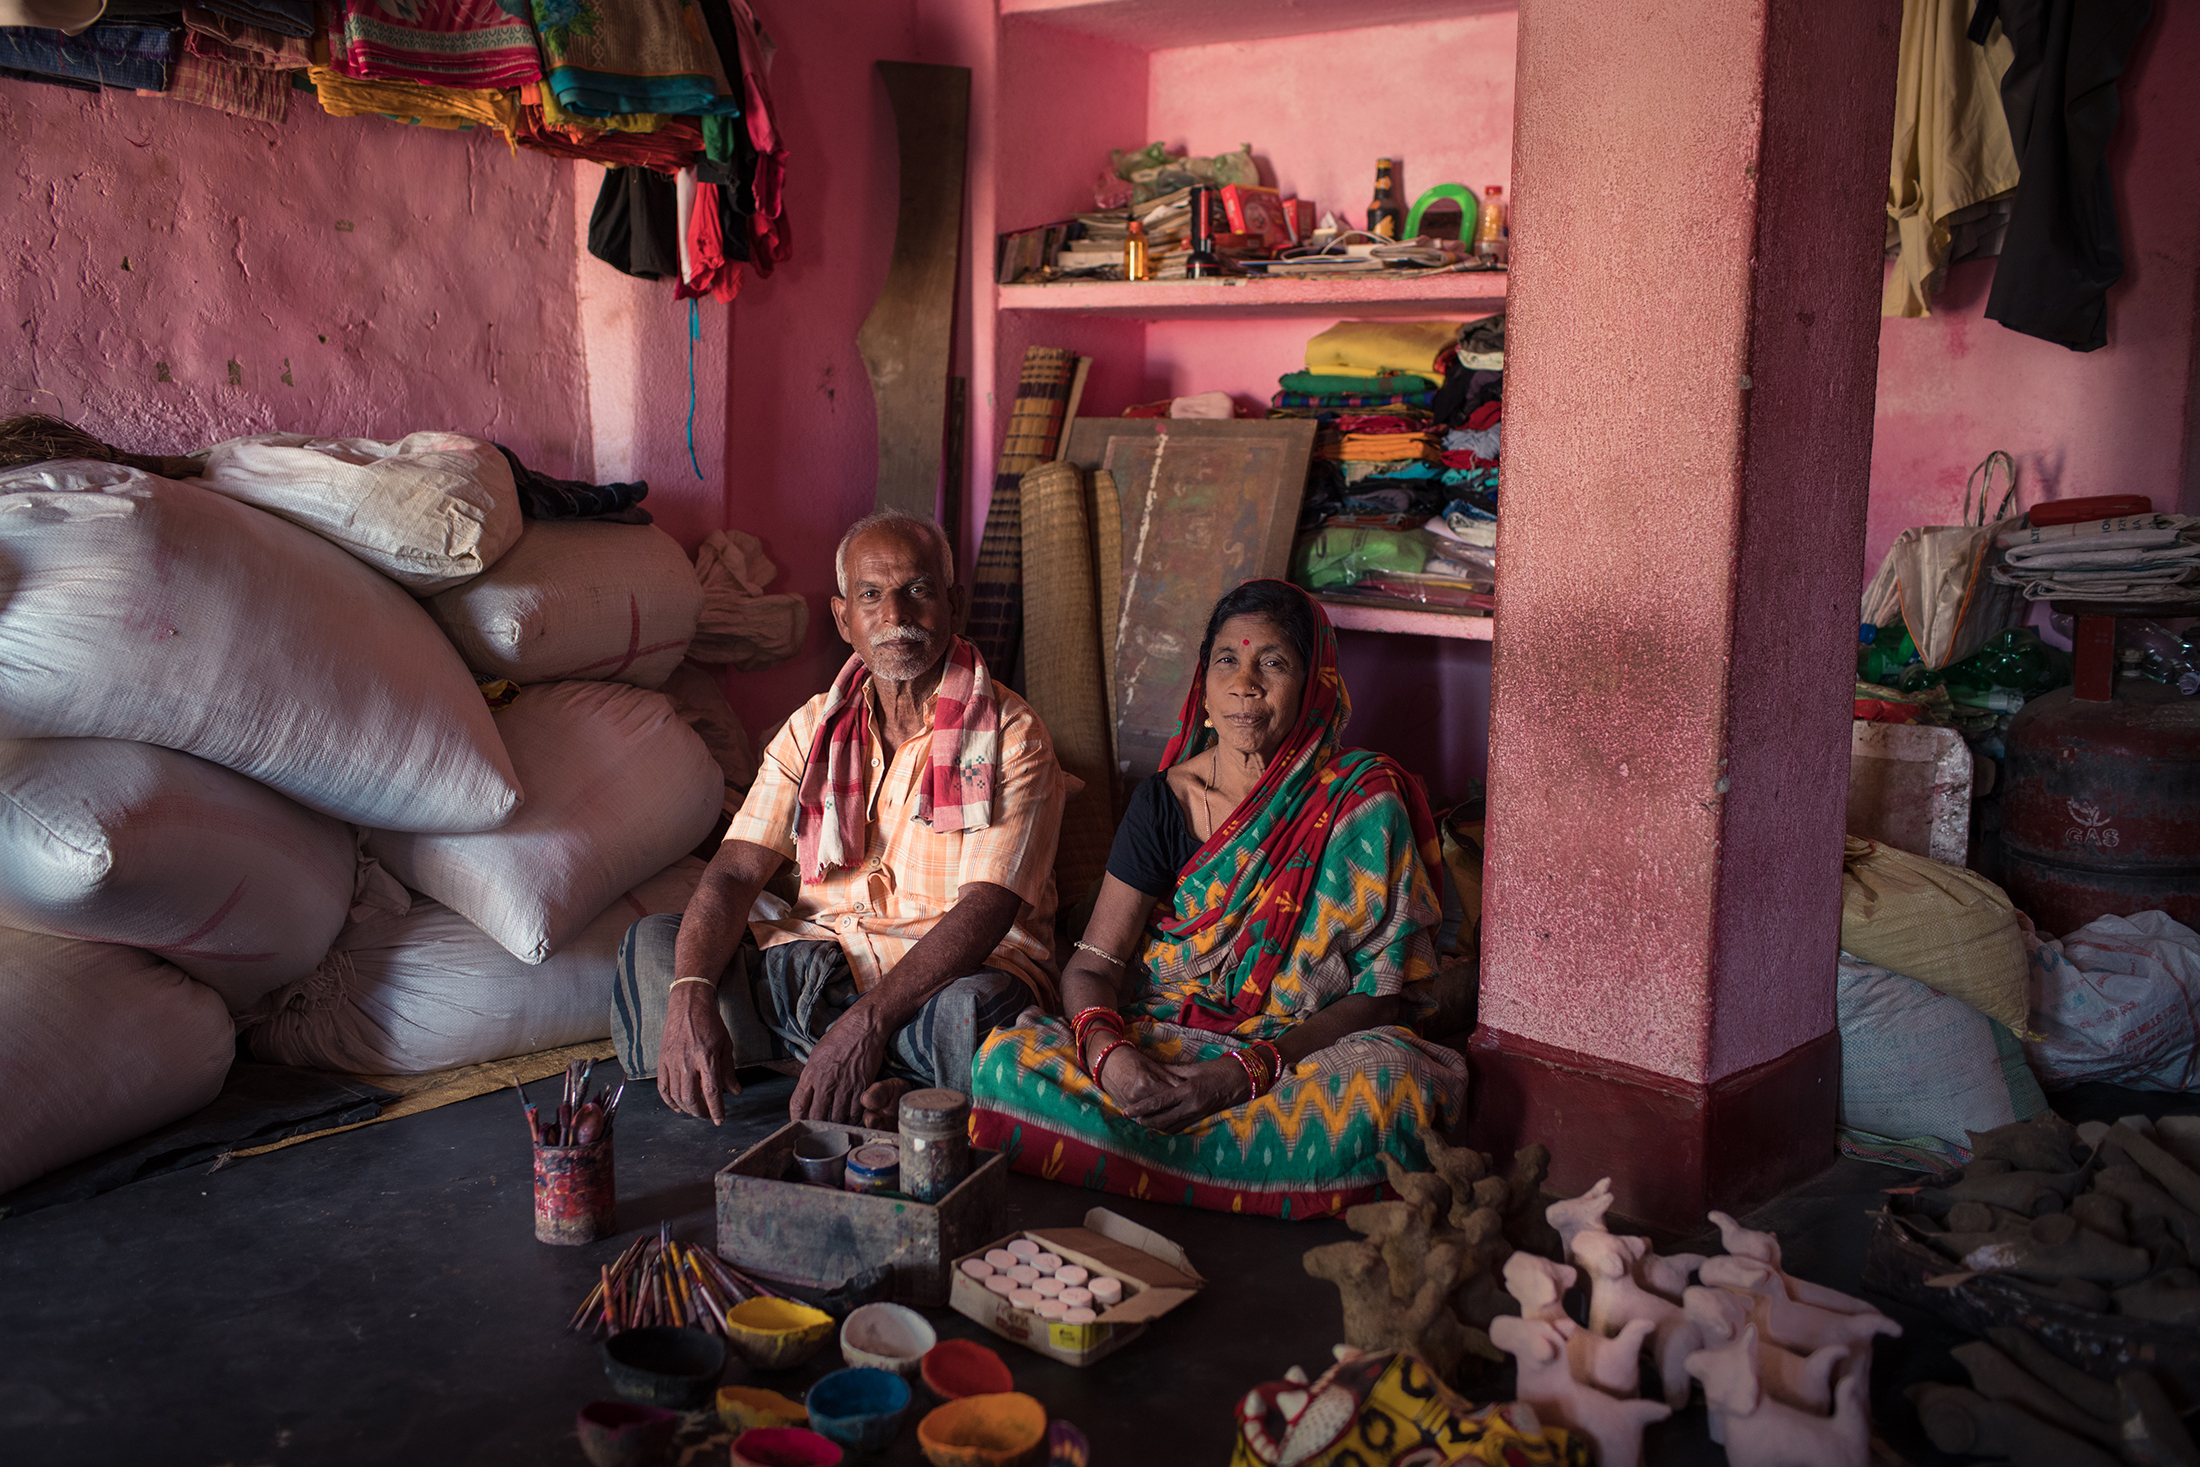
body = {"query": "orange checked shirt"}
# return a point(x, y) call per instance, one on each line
point(910, 875)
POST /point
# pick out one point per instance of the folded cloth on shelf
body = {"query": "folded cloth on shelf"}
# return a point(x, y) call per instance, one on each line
point(1322, 383)
point(2131, 558)
point(444, 43)
point(1380, 448)
point(534, 94)
point(116, 54)
point(653, 56)
point(225, 38)
point(284, 17)
point(1381, 349)
point(226, 86)
point(444, 107)
point(1339, 401)
point(1402, 422)
point(12, 73)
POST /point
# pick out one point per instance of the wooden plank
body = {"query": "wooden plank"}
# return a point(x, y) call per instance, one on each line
point(906, 339)
point(1206, 504)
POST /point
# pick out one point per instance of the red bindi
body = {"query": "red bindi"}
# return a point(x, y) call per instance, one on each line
point(1245, 641)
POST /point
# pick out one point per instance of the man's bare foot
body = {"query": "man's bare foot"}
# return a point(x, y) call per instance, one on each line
point(882, 1104)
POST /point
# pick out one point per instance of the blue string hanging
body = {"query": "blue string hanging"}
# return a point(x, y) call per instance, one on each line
point(695, 334)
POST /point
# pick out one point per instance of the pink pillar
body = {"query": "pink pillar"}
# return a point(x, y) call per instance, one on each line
point(1694, 335)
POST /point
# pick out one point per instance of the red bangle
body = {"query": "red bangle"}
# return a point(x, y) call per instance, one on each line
point(1275, 1062)
point(1095, 1017)
point(1252, 1076)
point(1102, 1063)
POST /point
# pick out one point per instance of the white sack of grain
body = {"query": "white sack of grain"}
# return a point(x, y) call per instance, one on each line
point(129, 843)
point(402, 995)
point(429, 511)
point(100, 1044)
point(694, 690)
point(133, 607)
point(577, 600)
point(618, 786)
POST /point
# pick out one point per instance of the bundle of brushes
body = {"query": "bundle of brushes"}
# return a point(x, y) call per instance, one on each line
point(580, 1117)
point(659, 1281)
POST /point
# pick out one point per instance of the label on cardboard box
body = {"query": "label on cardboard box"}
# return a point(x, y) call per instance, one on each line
point(1155, 1272)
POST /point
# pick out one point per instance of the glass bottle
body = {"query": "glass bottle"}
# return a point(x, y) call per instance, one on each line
point(1490, 235)
point(1136, 262)
point(1384, 216)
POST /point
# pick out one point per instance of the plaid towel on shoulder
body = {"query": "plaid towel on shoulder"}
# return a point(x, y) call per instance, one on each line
point(955, 792)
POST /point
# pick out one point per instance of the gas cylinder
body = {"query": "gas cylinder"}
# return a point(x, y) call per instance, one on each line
point(2101, 807)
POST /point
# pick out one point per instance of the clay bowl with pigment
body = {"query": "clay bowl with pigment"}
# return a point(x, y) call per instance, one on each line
point(887, 1337)
point(776, 1334)
point(784, 1446)
point(859, 1407)
point(1005, 1430)
point(953, 1369)
point(665, 1365)
point(624, 1434)
point(748, 1408)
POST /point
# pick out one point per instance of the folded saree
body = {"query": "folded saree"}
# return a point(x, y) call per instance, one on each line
point(226, 86)
point(284, 17)
point(444, 107)
point(225, 38)
point(445, 43)
point(670, 148)
point(1319, 886)
point(647, 56)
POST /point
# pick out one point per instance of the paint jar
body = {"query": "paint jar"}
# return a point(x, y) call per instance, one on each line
point(935, 1143)
point(822, 1158)
point(575, 1194)
point(874, 1167)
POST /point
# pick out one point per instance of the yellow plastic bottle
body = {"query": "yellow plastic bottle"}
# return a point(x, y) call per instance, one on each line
point(1490, 235)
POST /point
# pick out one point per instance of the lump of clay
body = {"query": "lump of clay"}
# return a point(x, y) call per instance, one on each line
point(2150, 1432)
point(2045, 1143)
point(1966, 1423)
point(1999, 1378)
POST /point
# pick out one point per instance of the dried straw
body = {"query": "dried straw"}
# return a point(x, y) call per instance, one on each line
point(36, 438)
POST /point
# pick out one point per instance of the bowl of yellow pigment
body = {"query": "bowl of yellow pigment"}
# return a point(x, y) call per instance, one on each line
point(776, 1334)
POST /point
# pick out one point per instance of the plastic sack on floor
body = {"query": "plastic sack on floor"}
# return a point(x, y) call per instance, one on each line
point(127, 843)
point(428, 511)
point(146, 609)
point(702, 704)
point(1937, 923)
point(740, 624)
point(2118, 1000)
point(1923, 1067)
point(576, 600)
point(618, 786)
point(100, 1044)
point(403, 995)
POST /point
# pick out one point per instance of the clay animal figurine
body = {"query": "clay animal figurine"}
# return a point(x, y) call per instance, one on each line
point(1573, 1216)
point(1668, 1275)
point(1615, 1298)
point(1546, 1383)
point(1765, 1248)
point(1786, 1323)
point(1761, 1431)
point(1802, 1381)
point(1538, 1285)
point(1967, 1424)
point(1613, 1366)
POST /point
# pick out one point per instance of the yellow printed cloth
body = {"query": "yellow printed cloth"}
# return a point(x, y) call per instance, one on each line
point(1390, 1407)
point(1381, 348)
point(1951, 143)
point(450, 108)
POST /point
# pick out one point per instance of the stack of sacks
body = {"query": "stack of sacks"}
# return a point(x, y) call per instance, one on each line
point(211, 692)
point(2145, 557)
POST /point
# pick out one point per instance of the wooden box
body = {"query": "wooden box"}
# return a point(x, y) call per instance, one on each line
point(816, 1238)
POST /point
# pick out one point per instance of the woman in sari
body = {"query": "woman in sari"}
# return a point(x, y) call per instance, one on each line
point(1241, 1001)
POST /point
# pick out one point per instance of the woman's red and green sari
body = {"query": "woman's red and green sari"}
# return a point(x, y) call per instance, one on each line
point(1321, 884)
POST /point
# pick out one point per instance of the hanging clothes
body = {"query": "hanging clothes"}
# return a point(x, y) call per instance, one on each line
point(437, 43)
point(450, 108)
point(651, 56)
point(240, 91)
point(284, 17)
point(2063, 249)
point(1952, 151)
point(124, 56)
point(670, 148)
point(634, 227)
point(707, 270)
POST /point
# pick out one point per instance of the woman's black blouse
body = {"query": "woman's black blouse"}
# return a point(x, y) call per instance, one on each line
point(1154, 840)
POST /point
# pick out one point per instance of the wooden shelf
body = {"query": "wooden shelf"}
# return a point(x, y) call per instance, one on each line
point(1163, 25)
point(1474, 293)
point(1359, 616)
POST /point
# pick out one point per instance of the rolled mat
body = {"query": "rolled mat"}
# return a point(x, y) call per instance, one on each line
point(1104, 512)
point(1063, 665)
point(996, 583)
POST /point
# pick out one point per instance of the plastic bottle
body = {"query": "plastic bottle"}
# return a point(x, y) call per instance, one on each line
point(1491, 237)
point(2162, 654)
point(1136, 262)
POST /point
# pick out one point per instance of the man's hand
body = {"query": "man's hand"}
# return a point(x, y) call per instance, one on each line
point(847, 1059)
point(1199, 1092)
point(695, 1061)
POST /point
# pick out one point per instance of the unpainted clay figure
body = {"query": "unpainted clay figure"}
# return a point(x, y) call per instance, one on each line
point(2046, 1143)
point(1668, 1275)
point(1546, 1382)
point(1375, 1321)
point(2051, 1248)
point(1802, 1381)
point(1765, 1248)
point(1538, 1285)
point(1524, 1222)
point(1999, 1378)
point(1613, 1366)
point(1761, 1431)
point(1572, 1216)
point(1966, 1423)
point(1801, 1327)
point(2152, 1435)
point(1615, 1298)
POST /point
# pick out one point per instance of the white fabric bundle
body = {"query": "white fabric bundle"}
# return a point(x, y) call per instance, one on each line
point(618, 786)
point(428, 511)
point(402, 995)
point(145, 609)
point(577, 600)
point(740, 624)
point(2149, 557)
point(129, 843)
point(99, 1044)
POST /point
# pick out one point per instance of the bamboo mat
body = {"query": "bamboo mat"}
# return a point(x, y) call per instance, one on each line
point(1063, 668)
point(1033, 433)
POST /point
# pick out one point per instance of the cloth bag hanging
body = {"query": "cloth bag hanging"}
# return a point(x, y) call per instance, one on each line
point(1938, 577)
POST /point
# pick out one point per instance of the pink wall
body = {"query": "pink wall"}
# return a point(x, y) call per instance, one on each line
point(1954, 386)
point(334, 276)
point(1666, 734)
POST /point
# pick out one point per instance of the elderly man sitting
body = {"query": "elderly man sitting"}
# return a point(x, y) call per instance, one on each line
point(922, 802)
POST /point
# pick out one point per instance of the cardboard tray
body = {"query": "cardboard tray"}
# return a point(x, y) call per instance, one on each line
point(1155, 1273)
point(1899, 1263)
point(817, 1239)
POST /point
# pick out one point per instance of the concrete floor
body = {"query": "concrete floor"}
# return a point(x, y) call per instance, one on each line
point(378, 1296)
